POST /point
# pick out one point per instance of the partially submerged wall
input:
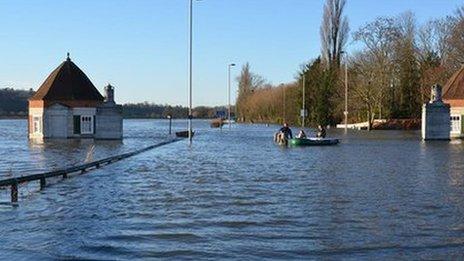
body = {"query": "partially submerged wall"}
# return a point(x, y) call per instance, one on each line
point(109, 122)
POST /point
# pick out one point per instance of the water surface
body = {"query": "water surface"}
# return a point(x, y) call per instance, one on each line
point(236, 195)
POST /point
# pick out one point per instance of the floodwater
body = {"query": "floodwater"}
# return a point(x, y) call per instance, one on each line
point(234, 194)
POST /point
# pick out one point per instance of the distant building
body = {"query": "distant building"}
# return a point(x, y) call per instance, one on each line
point(453, 94)
point(67, 105)
point(221, 114)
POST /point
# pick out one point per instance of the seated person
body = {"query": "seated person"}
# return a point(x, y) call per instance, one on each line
point(321, 133)
point(301, 135)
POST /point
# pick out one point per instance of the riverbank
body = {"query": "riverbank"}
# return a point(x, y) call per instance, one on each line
point(398, 124)
point(386, 124)
point(13, 117)
point(378, 124)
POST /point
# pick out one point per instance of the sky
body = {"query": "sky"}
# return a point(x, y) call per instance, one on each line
point(141, 46)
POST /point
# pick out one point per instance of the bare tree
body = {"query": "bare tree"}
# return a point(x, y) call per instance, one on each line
point(460, 13)
point(433, 37)
point(407, 67)
point(334, 32)
point(367, 90)
point(456, 40)
point(433, 54)
point(379, 38)
point(248, 82)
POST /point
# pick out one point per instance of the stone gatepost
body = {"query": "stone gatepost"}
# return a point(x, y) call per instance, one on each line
point(436, 124)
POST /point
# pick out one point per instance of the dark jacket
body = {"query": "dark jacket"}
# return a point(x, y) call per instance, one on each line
point(287, 132)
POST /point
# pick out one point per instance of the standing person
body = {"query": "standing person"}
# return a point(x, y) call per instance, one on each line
point(321, 132)
point(286, 131)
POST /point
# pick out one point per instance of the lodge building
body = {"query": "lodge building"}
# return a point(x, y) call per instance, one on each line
point(67, 105)
point(453, 94)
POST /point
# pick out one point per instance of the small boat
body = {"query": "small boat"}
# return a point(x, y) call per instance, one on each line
point(184, 134)
point(217, 123)
point(313, 142)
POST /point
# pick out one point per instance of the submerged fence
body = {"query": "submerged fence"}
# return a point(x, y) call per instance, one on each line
point(42, 177)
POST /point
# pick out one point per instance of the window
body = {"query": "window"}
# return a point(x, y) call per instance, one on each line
point(86, 124)
point(37, 124)
point(455, 124)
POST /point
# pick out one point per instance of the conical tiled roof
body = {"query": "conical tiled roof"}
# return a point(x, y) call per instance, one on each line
point(454, 88)
point(67, 83)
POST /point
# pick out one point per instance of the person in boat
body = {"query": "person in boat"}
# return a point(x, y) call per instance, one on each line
point(286, 131)
point(301, 135)
point(321, 132)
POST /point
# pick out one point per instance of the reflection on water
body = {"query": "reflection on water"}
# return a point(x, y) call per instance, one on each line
point(22, 156)
point(234, 194)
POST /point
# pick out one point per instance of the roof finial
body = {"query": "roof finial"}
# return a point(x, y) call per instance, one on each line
point(68, 59)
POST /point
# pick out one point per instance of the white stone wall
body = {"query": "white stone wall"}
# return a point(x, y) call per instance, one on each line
point(109, 122)
point(436, 123)
point(56, 121)
point(82, 111)
point(36, 112)
point(459, 112)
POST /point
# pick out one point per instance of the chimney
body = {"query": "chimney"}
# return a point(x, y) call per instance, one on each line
point(436, 94)
point(109, 93)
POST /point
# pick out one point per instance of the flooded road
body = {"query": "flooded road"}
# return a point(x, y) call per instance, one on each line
point(236, 195)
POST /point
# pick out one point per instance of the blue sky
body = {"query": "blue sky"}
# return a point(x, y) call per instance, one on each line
point(141, 47)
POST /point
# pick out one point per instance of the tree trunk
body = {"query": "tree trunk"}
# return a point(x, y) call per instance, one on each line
point(369, 117)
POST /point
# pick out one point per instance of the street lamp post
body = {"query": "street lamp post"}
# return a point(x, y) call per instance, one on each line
point(346, 93)
point(190, 116)
point(228, 92)
point(170, 123)
point(303, 111)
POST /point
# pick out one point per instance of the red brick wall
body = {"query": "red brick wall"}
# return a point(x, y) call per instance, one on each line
point(455, 103)
point(44, 104)
point(29, 124)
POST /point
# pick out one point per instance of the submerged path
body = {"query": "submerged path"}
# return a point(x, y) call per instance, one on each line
point(42, 177)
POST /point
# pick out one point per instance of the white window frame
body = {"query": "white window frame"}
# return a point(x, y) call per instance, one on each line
point(37, 124)
point(86, 124)
point(456, 124)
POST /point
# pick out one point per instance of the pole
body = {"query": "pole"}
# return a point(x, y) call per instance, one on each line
point(14, 193)
point(228, 95)
point(190, 71)
point(43, 183)
point(346, 95)
point(304, 107)
point(283, 89)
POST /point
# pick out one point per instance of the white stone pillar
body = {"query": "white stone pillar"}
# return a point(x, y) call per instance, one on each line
point(436, 123)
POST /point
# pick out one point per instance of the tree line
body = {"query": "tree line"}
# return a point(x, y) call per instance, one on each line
point(14, 104)
point(390, 71)
point(157, 111)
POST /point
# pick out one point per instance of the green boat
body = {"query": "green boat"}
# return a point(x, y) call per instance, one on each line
point(313, 142)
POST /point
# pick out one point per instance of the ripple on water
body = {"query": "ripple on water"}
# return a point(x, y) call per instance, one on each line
point(234, 194)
